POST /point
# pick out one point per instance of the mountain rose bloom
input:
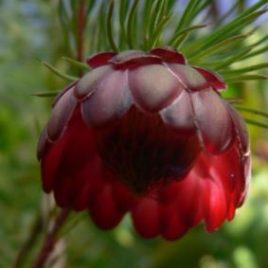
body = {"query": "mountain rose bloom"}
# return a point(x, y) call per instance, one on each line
point(148, 134)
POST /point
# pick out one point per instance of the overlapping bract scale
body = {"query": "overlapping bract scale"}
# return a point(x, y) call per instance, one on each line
point(152, 94)
point(110, 100)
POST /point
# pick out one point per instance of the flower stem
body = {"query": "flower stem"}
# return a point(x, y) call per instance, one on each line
point(29, 242)
point(50, 240)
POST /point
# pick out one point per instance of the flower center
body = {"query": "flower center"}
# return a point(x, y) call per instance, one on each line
point(142, 151)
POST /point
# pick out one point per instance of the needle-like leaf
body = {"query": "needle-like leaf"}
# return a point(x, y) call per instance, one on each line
point(109, 24)
point(59, 73)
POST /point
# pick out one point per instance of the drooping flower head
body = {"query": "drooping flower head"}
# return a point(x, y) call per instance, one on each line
point(146, 134)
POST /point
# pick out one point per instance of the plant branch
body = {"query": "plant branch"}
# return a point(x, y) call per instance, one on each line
point(29, 242)
point(50, 239)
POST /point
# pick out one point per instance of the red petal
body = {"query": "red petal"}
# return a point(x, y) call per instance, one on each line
point(77, 186)
point(215, 203)
point(224, 185)
point(63, 190)
point(88, 183)
point(212, 190)
point(125, 199)
point(104, 211)
point(99, 59)
point(145, 217)
point(153, 86)
point(171, 225)
point(186, 196)
point(49, 165)
point(169, 55)
point(214, 80)
point(230, 168)
point(69, 154)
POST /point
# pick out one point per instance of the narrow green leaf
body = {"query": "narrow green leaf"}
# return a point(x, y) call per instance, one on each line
point(234, 58)
point(46, 94)
point(201, 7)
point(74, 18)
point(130, 23)
point(228, 13)
point(157, 25)
point(187, 14)
point(223, 45)
point(64, 18)
point(146, 16)
point(149, 30)
point(90, 6)
point(234, 100)
point(251, 111)
point(102, 42)
point(254, 7)
point(232, 27)
point(74, 5)
point(91, 31)
point(180, 41)
point(160, 12)
point(59, 73)
point(158, 31)
point(109, 25)
point(235, 25)
point(259, 42)
point(65, 23)
point(76, 63)
point(246, 70)
point(255, 53)
point(122, 17)
point(187, 30)
point(256, 123)
point(241, 78)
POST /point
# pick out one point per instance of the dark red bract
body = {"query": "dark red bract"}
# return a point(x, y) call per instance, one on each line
point(148, 134)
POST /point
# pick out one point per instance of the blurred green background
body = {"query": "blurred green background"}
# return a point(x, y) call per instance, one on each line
point(30, 33)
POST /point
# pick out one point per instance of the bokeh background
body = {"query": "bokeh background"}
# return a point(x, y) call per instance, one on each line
point(30, 33)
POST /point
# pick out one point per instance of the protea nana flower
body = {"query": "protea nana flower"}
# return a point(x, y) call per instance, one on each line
point(148, 134)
